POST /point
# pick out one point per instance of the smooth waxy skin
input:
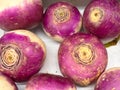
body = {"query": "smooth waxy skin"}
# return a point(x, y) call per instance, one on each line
point(82, 57)
point(102, 18)
point(20, 14)
point(61, 19)
point(49, 82)
point(22, 54)
point(109, 80)
point(7, 83)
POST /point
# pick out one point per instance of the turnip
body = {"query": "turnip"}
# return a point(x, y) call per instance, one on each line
point(102, 18)
point(109, 80)
point(22, 54)
point(61, 19)
point(20, 14)
point(82, 57)
point(50, 82)
point(7, 83)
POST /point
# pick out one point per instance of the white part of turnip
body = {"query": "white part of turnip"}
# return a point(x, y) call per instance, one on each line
point(6, 83)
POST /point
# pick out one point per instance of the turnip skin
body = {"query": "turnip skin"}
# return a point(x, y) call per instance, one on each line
point(22, 54)
point(102, 18)
point(7, 83)
point(60, 20)
point(20, 14)
point(82, 57)
point(109, 80)
point(49, 82)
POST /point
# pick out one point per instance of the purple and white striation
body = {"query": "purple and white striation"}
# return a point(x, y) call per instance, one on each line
point(50, 82)
point(20, 14)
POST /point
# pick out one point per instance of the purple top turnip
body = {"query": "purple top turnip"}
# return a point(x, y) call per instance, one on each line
point(82, 57)
point(102, 18)
point(20, 14)
point(109, 80)
point(61, 19)
point(7, 83)
point(22, 54)
point(50, 82)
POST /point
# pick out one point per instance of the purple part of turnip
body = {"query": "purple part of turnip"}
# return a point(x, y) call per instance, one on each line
point(82, 57)
point(20, 14)
point(50, 82)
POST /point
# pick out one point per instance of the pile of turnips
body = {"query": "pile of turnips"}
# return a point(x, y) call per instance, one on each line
point(82, 56)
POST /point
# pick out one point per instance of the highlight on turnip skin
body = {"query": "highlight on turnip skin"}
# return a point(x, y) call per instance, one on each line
point(82, 57)
point(22, 54)
point(20, 14)
point(49, 82)
point(102, 18)
point(109, 80)
point(61, 19)
point(7, 83)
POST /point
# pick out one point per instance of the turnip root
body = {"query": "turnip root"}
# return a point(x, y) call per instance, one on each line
point(82, 57)
point(20, 14)
point(7, 83)
point(50, 82)
point(102, 18)
point(61, 19)
point(22, 54)
point(109, 80)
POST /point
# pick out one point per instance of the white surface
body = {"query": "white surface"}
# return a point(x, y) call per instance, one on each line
point(51, 61)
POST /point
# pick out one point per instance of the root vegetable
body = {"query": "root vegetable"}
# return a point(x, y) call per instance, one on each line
point(20, 14)
point(109, 80)
point(82, 57)
point(102, 18)
point(50, 82)
point(22, 54)
point(7, 83)
point(61, 19)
